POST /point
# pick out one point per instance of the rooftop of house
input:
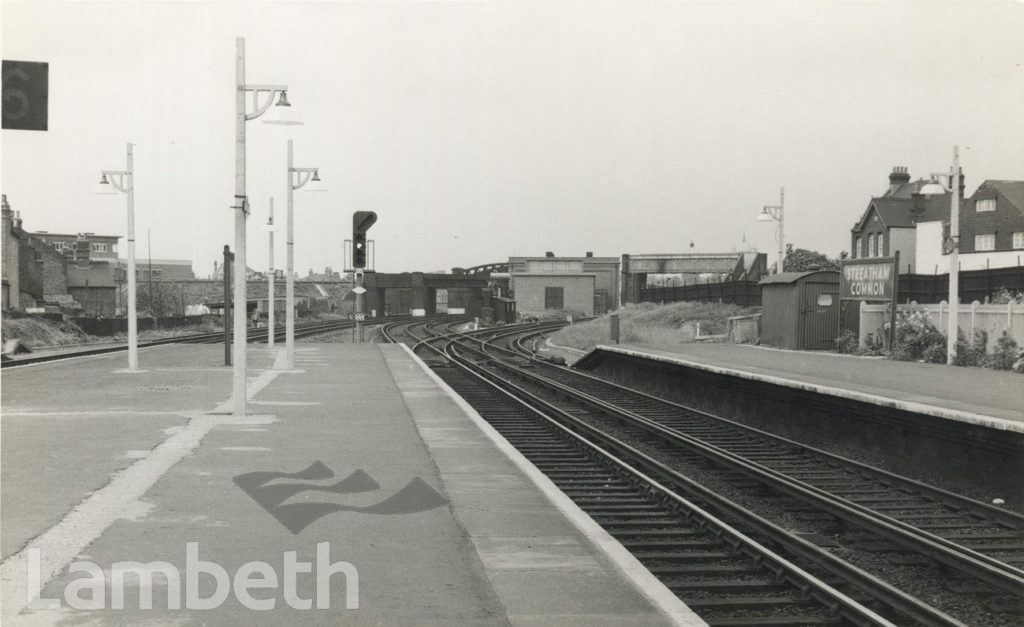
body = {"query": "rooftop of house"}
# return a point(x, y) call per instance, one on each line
point(903, 205)
point(1013, 191)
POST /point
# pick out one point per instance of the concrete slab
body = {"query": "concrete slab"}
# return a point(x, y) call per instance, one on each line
point(454, 533)
point(548, 561)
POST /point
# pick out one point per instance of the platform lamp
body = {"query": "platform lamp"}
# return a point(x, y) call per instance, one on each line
point(284, 114)
point(112, 182)
point(270, 229)
point(770, 213)
point(297, 178)
point(950, 245)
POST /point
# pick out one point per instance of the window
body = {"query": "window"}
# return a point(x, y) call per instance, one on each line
point(987, 204)
point(99, 248)
point(1018, 239)
point(881, 244)
point(871, 245)
point(858, 249)
point(824, 300)
point(985, 242)
point(554, 298)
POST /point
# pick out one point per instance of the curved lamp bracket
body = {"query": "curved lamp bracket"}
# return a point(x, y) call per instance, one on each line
point(256, 91)
point(304, 174)
point(119, 180)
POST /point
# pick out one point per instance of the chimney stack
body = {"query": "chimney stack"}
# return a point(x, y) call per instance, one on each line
point(590, 254)
point(897, 178)
point(549, 254)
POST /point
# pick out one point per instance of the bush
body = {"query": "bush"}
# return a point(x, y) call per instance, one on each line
point(970, 353)
point(918, 339)
point(1005, 354)
point(846, 343)
point(1004, 295)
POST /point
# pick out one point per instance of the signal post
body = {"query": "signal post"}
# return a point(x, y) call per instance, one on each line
point(361, 223)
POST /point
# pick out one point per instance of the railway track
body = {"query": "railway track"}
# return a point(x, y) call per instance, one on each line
point(974, 544)
point(254, 335)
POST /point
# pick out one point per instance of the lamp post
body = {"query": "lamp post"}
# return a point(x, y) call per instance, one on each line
point(297, 177)
point(775, 213)
point(124, 181)
point(286, 116)
point(270, 277)
point(952, 245)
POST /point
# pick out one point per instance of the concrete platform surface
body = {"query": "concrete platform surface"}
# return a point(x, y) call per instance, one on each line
point(355, 491)
point(979, 396)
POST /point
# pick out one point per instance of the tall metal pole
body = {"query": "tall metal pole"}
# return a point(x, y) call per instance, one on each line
point(270, 280)
point(954, 264)
point(782, 232)
point(149, 251)
point(133, 325)
point(238, 379)
point(289, 296)
point(359, 306)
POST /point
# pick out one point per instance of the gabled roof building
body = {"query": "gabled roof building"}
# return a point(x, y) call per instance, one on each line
point(902, 219)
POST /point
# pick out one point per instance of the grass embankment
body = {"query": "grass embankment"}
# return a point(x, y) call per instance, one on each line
point(41, 332)
point(654, 325)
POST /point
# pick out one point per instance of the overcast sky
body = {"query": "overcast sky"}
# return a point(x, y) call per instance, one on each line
point(479, 130)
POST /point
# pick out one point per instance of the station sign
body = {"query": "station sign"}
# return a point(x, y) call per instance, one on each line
point(868, 279)
point(875, 279)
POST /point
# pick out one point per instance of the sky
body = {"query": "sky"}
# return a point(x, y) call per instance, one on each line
point(483, 130)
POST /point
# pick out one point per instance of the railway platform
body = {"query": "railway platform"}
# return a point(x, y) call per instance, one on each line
point(982, 397)
point(357, 490)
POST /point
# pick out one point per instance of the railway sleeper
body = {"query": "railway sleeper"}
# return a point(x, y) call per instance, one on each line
point(752, 602)
point(771, 621)
point(700, 570)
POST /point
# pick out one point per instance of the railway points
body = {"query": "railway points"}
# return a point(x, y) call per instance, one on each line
point(477, 481)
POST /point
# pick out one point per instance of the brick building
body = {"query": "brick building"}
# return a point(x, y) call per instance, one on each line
point(34, 273)
point(890, 221)
point(10, 249)
point(992, 219)
point(585, 285)
point(43, 274)
point(991, 226)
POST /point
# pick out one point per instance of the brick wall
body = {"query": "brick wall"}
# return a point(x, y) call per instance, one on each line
point(1002, 222)
point(95, 301)
point(183, 293)
point(10, 257)
point(578, 292)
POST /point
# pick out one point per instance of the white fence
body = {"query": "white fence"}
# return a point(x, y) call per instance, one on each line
point(993, 319)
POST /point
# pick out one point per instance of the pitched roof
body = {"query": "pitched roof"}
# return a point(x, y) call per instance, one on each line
point(792, 277)
point(898, 212)
point(1012, 190)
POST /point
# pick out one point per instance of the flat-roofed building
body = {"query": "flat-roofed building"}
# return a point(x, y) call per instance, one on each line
point(584, 285)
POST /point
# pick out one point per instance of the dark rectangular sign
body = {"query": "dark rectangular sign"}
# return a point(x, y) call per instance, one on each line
point(868, 279)
point(25, 95)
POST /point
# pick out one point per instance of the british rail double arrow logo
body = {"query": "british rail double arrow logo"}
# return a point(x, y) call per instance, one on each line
point(271, 495)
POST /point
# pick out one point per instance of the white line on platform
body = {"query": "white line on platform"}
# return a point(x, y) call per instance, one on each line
point(62, 542)
point(98, 413)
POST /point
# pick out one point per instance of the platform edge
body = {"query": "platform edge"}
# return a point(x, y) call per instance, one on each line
point(646, 584)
